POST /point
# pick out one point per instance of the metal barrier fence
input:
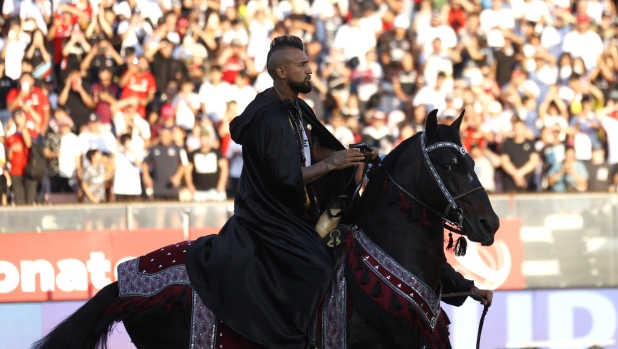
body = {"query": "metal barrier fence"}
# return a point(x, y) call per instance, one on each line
point(569, 240)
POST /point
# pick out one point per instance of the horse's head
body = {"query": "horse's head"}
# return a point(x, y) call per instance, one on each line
point(446, 179)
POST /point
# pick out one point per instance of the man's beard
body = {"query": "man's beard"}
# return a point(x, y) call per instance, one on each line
point(300, 86)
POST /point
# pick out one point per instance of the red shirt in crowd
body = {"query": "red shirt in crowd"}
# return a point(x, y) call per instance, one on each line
point(63, 32)
point(37, 100)
point(231, 68)
point(19, 158)
point(140, 86)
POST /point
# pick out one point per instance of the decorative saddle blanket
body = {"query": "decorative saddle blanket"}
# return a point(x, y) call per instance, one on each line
point(160, 275)
point(379, 280)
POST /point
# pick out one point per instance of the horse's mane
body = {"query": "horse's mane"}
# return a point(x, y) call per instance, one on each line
point(377, 177)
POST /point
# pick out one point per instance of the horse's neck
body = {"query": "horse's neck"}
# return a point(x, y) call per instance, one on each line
point(418, 249)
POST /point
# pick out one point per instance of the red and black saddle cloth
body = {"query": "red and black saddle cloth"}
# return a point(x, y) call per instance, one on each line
point(381, 286)
point(157, 282)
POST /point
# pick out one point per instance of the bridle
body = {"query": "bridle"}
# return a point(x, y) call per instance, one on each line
point(456, 227)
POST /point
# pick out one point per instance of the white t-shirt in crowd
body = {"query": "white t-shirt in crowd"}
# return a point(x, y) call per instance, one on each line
point(343, 134)
point(485, 172)
point(34, 10)
point(140, 134)
point(444, 32)
point(215, 98)
point(14, 55)
point(242, 96)
point(185, 117)
point(535, 10)
point(490, 19)
point(346, 38)
point(263, 82)
point(373, 23)
point(430, 97)
point(103, 142)
point(127, 175)
point(588, 46)
point(2, 155)
point(10, 8)
point(234, 154)
point(69, 155)
point(232, 34)
point(611, 127)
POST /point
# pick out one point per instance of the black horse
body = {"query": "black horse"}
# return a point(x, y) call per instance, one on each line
point(389, 297)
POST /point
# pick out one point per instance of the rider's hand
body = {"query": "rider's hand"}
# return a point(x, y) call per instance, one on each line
point(344, 159)
point(483, 296)
point(373, 154)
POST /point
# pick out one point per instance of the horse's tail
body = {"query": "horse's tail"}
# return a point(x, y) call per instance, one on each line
point(88, 328)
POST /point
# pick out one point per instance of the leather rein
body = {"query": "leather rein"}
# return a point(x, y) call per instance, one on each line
point(481, 322)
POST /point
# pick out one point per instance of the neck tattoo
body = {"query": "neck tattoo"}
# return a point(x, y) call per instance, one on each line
point(298, 127)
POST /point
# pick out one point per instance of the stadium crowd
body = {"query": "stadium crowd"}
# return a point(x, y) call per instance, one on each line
point(109, 100)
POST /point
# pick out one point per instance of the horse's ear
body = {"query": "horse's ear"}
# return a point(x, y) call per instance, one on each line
point(431, 124)
point(457, 123)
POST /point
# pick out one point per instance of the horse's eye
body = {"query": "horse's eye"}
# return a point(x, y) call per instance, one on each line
point(447, 167)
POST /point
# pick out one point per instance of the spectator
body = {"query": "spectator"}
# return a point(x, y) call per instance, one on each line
point(33, 102)
point(94, 177)
point(583, 42)
point(338, 128)
point(569, 176)
point(127, 184)
point(242, 92)
point(39, 56)
point(73, 53)
point(235, 161)
point(76, 100)
point(214, 94)
point(233, 60)
point(165, 67)
point(138, 82)
point(519, 160)
point(485, 163)
point(378, 134)
point(207, 171)
point(187, 105)
point(599, 172)
point(105, 93)
point(6, 85)
point(583, 129)
point(609, 121)
point(14, 49)
point(163, 168)
point(62, 149)
point(103, 56)
point(18, 148)
point(95, 137)
point(128, 121)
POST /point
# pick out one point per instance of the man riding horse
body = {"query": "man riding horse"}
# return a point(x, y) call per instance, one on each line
point(266, 272)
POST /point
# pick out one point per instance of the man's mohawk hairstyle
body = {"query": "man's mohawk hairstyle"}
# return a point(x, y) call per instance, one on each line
point(284, 41)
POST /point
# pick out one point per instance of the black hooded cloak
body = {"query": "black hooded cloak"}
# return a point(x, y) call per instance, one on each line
point(267, 270)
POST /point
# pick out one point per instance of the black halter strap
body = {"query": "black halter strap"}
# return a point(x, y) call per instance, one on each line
point(456, 227)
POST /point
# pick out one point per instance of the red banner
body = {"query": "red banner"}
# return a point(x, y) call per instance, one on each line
point(73, 265)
